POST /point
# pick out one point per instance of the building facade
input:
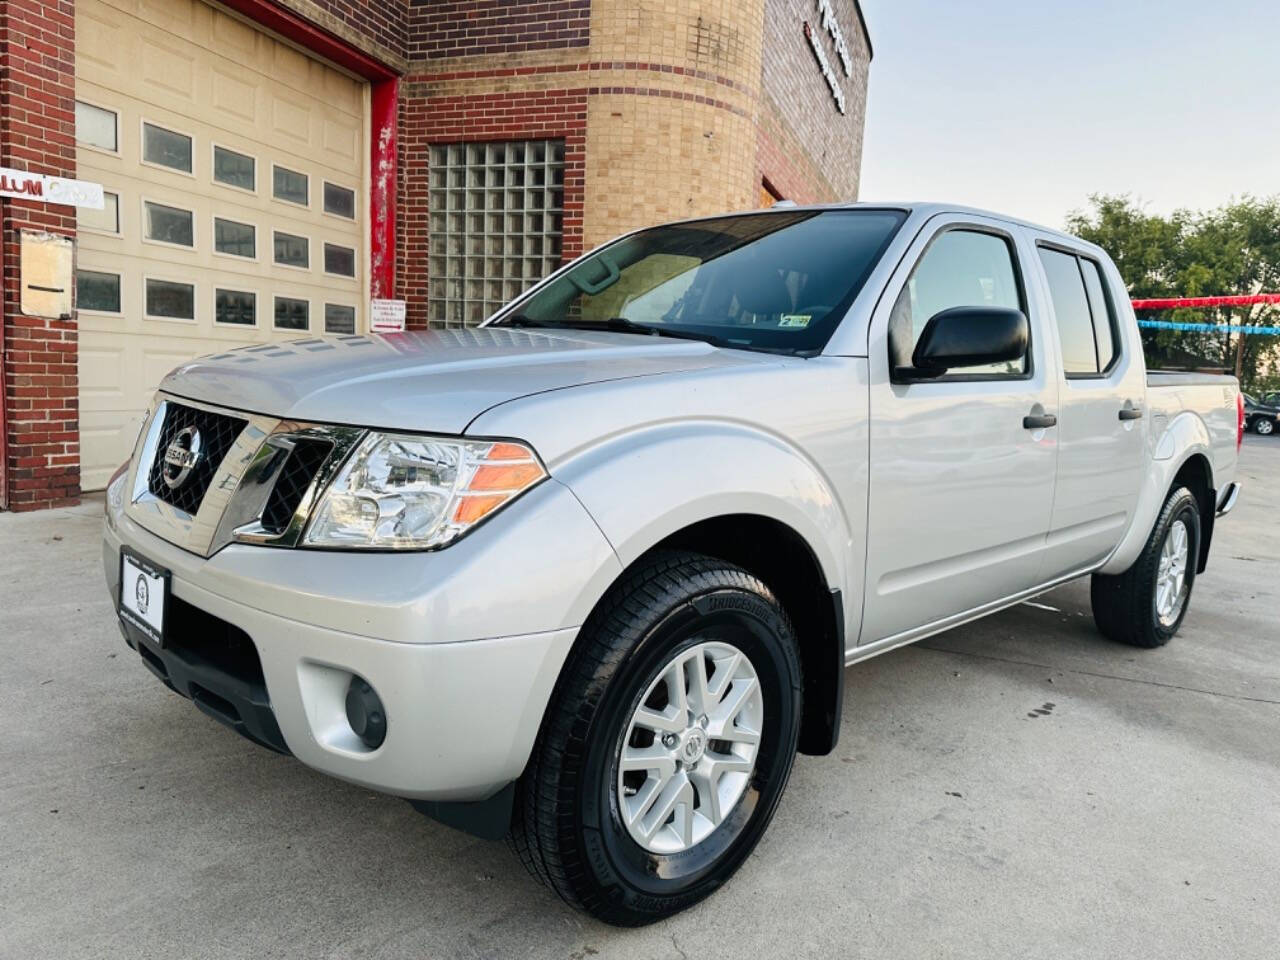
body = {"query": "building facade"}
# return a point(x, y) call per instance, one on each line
point(268, 168)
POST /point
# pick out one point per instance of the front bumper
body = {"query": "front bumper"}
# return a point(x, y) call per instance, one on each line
point(464, 694)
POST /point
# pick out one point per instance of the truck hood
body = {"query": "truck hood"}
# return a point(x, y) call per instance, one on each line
point(436, 380)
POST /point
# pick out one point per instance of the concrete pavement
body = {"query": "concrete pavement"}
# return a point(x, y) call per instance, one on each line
point(1018, 787)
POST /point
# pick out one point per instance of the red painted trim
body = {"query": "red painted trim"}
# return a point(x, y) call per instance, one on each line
point(307, 35)
point(1174, 303)
point(384, 101)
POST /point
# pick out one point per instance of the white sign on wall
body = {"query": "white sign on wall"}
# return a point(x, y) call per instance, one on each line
point(824, 64)
point(386, 316)
point(36, 186)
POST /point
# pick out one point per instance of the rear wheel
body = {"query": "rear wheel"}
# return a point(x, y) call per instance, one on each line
point(1145, 605)
point(667, 743)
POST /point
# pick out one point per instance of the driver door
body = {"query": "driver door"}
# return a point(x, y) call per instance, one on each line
point(960, 491)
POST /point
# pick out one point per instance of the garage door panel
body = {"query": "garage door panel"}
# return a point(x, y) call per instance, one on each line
point(233, 97)
point(189, 68)
point(291, 118)
point(170, 69)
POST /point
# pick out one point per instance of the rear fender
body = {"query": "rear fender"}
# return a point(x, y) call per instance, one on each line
point(1184, 437)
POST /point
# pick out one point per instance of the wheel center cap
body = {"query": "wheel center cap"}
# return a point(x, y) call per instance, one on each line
point(694, 745)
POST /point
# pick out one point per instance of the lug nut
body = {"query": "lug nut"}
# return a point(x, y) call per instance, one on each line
point(669, 740)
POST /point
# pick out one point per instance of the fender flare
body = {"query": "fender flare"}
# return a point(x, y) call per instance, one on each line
point(1185, 437)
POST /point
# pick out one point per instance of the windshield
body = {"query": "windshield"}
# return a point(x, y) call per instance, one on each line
point(764, 281)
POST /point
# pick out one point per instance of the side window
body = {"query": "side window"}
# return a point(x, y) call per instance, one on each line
point(1086, 323)
point(961, 268)
point(1071, 310)
point(1104, 321)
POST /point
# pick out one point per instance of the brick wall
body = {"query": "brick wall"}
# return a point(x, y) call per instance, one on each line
point(524, 115)
point(462, 28)
point(808, 149)
point(37, 133)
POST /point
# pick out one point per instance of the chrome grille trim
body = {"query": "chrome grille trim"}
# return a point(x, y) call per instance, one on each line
point(272, 459)
point(231, 509)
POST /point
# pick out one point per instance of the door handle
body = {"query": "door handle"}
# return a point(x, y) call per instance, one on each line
point(1131, 413)
point(1039, 421)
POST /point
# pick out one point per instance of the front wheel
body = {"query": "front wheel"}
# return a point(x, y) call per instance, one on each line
point(667, 744)
point(1145, 605)
point(1263, 427)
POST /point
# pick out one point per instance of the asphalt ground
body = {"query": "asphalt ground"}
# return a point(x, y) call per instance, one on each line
point(1018, 787)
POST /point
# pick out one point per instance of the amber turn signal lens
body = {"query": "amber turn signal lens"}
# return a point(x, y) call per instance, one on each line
point(471, 509)
point(500, 476)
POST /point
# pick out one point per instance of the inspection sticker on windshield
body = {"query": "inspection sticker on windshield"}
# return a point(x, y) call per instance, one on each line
point(795, 320)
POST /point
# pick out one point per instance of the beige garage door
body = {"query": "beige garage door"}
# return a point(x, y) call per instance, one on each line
point(233, 165)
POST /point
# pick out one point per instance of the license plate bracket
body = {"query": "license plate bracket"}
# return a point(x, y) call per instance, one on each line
point(144, 595)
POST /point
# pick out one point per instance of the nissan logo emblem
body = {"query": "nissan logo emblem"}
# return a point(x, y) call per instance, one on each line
point(181, 457)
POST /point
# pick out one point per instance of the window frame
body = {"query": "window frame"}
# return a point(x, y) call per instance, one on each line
point(355, 201)
point(292, 203)
point(1019, 279)
point(92, 311)
point(193, 320)
point(324, 267)
point(115, 111)
point(213, 239)
point(214, 147)
point(222, 324)
point(1112, 319)
point(275, 298)
point(143, 123)
point(355, 318)
point(290, 266)
point(142, 232)
point(119, 230)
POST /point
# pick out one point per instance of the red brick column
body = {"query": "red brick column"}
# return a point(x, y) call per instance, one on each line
point(40, 448)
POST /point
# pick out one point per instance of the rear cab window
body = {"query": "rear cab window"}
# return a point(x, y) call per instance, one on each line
point(1083, 312)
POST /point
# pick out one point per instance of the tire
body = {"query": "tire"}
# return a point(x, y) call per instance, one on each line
point(1263, 427)
point(1127, 607)
point(659, 623)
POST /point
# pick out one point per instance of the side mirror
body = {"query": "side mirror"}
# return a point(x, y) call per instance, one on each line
point(968, 337)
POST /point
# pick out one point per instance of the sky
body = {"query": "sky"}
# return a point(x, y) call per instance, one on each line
point(1029, 107)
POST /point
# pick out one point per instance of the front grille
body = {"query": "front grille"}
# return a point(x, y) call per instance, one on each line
point(217, 433)
point(295, 477)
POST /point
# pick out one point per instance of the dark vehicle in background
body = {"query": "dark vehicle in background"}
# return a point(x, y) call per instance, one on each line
point(1262, 416)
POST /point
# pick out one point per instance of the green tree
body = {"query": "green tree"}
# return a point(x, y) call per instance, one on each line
point(1232, 250)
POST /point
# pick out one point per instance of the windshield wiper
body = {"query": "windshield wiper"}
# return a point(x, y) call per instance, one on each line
point(615, 325)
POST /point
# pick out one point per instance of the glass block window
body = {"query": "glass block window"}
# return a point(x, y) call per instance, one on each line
point(496, 224)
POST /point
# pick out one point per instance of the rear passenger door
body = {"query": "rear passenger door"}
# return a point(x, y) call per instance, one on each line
point(1100, 434)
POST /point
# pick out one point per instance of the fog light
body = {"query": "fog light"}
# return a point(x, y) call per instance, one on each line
point(365, 713)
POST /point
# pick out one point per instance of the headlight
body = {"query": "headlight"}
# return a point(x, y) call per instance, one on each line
point(406, 492)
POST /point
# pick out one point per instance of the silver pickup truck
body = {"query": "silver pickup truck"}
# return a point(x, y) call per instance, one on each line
point(589, 576)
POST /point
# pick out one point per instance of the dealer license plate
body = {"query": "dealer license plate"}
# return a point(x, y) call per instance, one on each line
point(144, 594)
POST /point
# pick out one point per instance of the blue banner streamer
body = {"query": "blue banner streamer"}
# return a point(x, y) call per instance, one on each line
point(1208, 327)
